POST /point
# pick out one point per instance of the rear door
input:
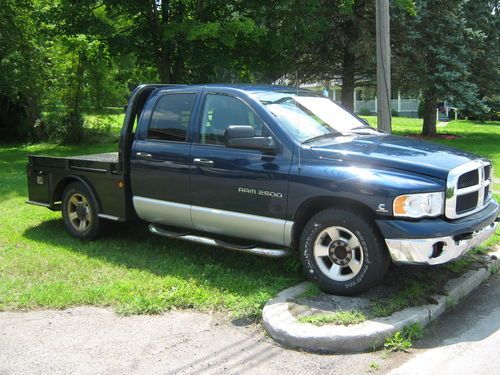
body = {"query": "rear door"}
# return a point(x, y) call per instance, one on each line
point(237, 192)
point(160, 159)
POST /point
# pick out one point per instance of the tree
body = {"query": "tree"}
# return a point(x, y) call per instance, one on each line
point(187, 41)
point(340, 42)
point(335, 39)
point(484, 17)
point(433, 56)
point(21, 69)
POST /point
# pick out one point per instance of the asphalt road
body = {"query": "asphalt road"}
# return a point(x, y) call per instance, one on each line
point(466, 340)
point(87, 340)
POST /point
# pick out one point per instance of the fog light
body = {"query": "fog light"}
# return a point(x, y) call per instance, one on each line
point(437, 249)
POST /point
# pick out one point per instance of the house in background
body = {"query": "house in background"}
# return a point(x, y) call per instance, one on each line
point(365, 101)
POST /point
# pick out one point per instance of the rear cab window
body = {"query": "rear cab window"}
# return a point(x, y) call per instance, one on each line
point(171, 116)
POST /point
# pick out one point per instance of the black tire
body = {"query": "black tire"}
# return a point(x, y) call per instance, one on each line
point(367, 262)
point(85, 209)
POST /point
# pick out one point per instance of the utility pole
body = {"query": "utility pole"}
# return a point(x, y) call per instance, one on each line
point(383, 66)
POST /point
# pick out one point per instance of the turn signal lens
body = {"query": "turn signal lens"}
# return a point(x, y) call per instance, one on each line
point(419, 205)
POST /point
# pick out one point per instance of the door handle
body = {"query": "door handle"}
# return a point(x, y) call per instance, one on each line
point(203, 162)
point(143, 155)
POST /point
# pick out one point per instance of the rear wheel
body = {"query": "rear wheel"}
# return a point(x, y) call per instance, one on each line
point(343, 252)
point(79, 212)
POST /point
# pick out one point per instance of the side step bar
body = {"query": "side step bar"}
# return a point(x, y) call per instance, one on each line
point(266, 252)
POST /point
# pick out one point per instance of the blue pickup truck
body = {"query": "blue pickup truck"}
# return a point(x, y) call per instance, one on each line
point(274, 171)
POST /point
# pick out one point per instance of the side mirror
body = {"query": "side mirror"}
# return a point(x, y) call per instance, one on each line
point(243, 136)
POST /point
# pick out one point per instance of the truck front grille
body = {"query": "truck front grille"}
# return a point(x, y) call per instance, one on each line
point(467, 189)
point(468, 179)
point(467, 202)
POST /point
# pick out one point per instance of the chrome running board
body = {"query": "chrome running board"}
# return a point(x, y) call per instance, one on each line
point(252, 249)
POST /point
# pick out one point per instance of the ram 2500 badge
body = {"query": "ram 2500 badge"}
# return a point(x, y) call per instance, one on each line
point(272, 171)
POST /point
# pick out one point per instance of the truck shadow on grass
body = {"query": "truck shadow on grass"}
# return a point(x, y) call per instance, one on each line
point(202, 268)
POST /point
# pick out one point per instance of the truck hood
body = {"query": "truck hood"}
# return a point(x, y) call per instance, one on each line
point(393, 152)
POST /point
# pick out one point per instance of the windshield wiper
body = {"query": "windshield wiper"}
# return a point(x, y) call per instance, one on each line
point(322, 136)
point(368, 130)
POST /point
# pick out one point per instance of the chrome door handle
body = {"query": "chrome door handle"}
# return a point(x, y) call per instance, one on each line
point(203, 162)
point(143, 155)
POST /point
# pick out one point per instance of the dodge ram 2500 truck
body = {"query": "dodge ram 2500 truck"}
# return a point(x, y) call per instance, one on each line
point(271, 170)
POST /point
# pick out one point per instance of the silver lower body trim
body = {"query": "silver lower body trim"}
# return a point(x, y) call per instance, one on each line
point(212, 220)
point(236, 224)
point(420, 251)
point(256, 250)
point(163, 212)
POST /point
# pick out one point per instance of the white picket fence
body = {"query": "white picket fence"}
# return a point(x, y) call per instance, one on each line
point(403, 106)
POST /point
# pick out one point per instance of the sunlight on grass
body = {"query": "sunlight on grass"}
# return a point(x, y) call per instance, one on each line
point(345, 318)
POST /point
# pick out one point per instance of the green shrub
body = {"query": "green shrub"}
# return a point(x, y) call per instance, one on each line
point(364, 112)
point(99, 124)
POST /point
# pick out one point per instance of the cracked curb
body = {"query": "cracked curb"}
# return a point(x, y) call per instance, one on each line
point(283, 327)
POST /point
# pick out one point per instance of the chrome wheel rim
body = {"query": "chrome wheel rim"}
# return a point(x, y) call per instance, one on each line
point(79, 212)
point(338, 253)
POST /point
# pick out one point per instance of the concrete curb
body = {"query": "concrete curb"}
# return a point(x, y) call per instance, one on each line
point(285, 329)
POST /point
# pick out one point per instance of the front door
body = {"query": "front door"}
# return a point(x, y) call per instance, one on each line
point(237, 192)
point(160, 160)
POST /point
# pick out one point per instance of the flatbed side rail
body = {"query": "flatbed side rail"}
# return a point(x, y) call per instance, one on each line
point(69, 164)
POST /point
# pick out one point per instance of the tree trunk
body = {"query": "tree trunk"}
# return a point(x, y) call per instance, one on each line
point(429, 114)
point(163, 66)
point(158, 20)
point(347, 96)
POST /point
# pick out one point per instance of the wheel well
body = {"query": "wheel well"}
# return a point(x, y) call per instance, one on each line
point(61, 186)
point(311, 207)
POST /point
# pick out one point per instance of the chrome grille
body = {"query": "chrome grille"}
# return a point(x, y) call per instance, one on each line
point(467, 189)
point(468, 179)
point(467, 202)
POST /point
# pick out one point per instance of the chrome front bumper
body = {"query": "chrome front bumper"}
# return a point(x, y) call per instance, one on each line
point(430, 251)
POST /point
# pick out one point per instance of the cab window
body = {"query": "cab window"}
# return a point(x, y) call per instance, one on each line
point(221, 111)
point(171, 116)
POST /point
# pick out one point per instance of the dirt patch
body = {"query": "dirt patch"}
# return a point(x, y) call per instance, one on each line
point(403, 287)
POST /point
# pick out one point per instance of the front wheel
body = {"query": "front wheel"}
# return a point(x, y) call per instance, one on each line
point(343, 252)
point(79, 212)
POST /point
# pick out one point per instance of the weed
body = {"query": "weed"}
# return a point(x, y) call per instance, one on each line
point(482, 250)
point(450, 302)
point(402, 341)
point(413, 331)
point(412, 293)
point(397, 343)
point(374, 366)
point(460, 265)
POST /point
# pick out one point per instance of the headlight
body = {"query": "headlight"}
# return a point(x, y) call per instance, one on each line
point(419, 205)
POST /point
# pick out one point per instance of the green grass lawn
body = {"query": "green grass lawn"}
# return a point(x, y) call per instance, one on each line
point(133, 271)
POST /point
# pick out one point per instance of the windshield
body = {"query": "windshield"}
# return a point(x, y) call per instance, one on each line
point(312, 117)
